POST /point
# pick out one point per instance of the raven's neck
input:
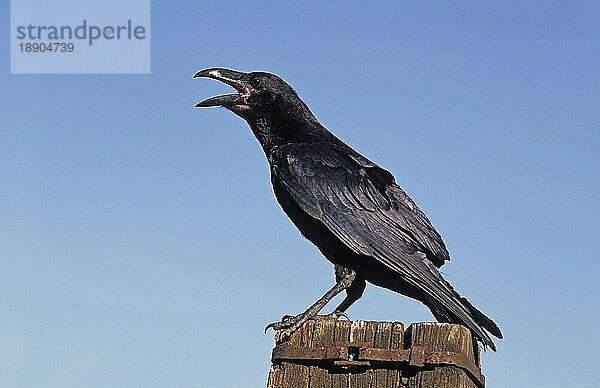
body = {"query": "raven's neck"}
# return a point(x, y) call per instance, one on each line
point(273, 131)
point(262, 127)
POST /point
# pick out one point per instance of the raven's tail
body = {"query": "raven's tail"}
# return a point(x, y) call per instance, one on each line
point(442, 314)
point(482, 319)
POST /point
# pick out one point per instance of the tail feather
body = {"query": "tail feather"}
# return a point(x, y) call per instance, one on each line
point(442, 314)
point(448, 306)
point(482, 319)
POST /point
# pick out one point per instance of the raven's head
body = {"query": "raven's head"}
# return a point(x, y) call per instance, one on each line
point(271, 107)
point(258, 93)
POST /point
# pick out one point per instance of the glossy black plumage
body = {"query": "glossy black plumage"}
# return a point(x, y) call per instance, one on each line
point(348, 206)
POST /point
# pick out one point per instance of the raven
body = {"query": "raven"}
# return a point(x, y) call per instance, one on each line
point(351, 209)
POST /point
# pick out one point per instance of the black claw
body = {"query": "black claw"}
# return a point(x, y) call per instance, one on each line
point(339, 315)
point(286, 321)
point(270, 326)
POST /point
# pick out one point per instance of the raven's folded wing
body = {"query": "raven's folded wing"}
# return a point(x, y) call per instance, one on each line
point(330, 181)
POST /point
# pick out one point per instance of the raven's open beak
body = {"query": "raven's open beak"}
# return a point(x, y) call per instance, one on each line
point(230, 77)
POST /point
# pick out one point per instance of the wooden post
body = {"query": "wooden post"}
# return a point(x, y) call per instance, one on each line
point(329, 353)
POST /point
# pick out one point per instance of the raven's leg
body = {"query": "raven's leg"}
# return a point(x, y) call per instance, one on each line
point(353, 293)
point(344, 281)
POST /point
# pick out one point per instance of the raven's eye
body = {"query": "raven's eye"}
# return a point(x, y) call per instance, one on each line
point(255, 83)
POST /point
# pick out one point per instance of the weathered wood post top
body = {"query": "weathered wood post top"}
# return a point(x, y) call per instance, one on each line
point(328, 353)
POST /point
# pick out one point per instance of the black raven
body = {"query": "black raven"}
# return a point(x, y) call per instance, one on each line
point(348, 206)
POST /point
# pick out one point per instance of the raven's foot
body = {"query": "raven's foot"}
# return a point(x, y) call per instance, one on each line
point(288, 325)
point(291, 323)
point(333, 315)
point(286, 321)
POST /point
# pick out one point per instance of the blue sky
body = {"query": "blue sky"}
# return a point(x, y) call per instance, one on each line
point(142, 245)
